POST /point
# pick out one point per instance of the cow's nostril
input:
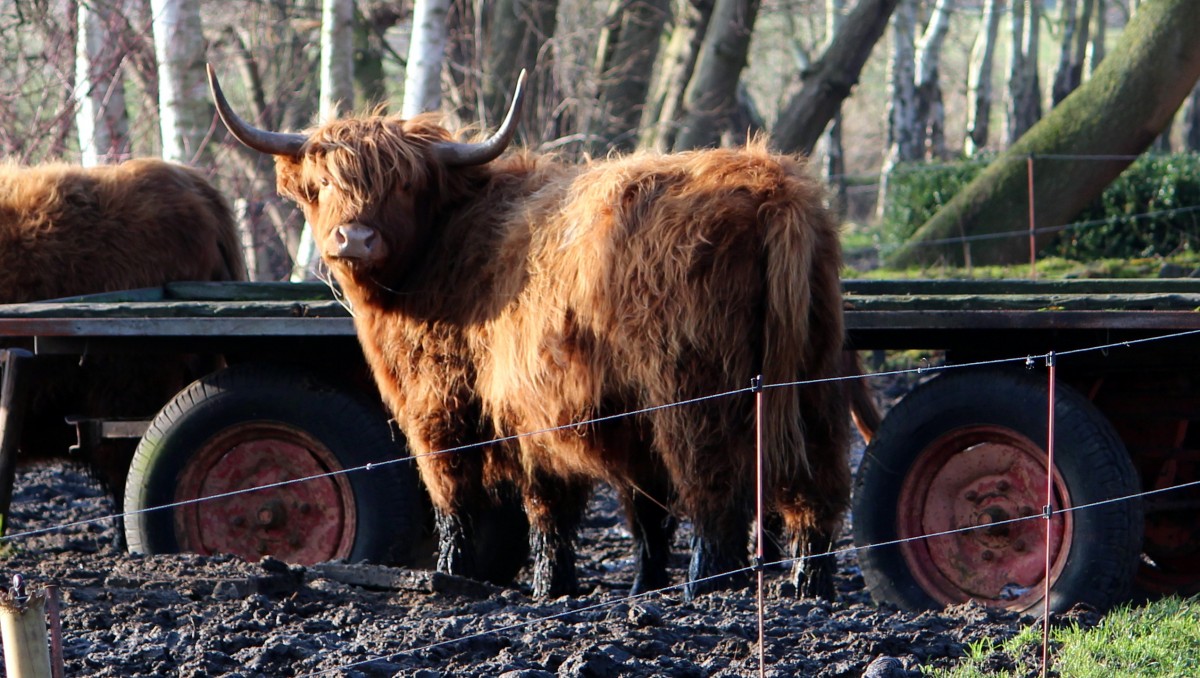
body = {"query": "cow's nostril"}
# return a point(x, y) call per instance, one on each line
point(354, 240)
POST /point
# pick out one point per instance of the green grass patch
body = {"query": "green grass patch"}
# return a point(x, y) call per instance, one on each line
point(1157, 640)
point(1181, 264)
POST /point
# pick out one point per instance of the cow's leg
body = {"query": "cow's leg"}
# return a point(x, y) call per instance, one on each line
point(718, 547)
point(719, 508)
point(554, 507)
point(652, 526)
point(812, 507)
point(814, 567)
point(455, 485)
point(455, 554)
point(708, 460)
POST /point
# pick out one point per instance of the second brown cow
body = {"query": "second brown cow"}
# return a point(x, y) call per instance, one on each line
point(67, 230)
point(513, 296)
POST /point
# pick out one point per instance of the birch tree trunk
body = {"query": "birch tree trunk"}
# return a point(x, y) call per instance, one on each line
point(711, 95)
point(1083, 39)
point(1118, 112)
point(660, 119)
point(185, 113)
point(834, 167)
point(337, 96)
point(1096, 46)
point(1024, 89)
point(426, 50)
point(831, 79)
point(931, 112)
point(624, 64)
point(902, 136)
point(979, 79)
point(1191, 122)
point(1067, 75)
point(337, 58)
point(100, 117)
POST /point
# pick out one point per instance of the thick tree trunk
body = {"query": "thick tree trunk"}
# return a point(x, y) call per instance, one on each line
point(660, 119)
point(185, 112)
point(979, 79)
point(711, 95)
point(516, 32)
point(100, 117)
point(1118, 111)
point(426, 50)
point(624, 64)
point(369, 78)
point(831, 79)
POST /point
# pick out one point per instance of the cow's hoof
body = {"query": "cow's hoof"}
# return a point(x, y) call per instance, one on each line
point(645, 582)
point(813, 578)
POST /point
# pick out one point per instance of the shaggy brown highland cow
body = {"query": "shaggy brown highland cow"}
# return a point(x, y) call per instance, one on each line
point(66, 231)
point(518, 295)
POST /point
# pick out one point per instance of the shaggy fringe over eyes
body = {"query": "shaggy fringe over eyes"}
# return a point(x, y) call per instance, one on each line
point(369, 158)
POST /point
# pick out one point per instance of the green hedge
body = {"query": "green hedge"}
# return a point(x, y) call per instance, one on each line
point(1152, 209)
point(916, 191)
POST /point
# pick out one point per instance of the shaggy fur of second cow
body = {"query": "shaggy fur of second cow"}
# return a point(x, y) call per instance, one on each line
point(528, 294)
point(67, 230)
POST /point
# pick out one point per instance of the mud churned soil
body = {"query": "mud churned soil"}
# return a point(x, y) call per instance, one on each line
point(186, 615)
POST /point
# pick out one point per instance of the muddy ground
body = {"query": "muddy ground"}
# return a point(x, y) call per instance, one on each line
point(185, 615)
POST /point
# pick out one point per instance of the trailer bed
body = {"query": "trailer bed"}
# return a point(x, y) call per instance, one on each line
point(879, 313)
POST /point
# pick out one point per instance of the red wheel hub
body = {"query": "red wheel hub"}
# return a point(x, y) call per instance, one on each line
point(982, 477)
point(299, 522)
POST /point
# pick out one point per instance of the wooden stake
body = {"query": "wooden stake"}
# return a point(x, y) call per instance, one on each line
point(23, 630)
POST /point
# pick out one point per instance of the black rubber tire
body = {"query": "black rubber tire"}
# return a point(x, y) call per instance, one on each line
point(1089, 456)
point(391, 521)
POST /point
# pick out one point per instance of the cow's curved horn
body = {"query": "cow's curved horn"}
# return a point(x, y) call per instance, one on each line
point(275, 143)
point(458, 154)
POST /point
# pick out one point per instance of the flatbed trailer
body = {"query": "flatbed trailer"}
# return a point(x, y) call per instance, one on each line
point(966, 449)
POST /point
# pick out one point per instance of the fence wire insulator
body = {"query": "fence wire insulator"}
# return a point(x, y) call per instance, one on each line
point(756, 383)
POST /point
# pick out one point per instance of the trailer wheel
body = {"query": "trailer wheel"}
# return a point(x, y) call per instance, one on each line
point(967, 449)
point(264, 426)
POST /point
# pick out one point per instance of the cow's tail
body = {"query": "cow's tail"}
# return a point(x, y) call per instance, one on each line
point(803, 333)
point(863, 408)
